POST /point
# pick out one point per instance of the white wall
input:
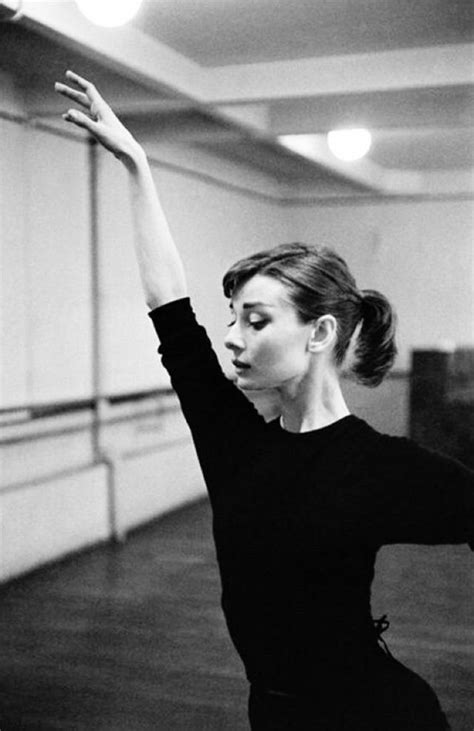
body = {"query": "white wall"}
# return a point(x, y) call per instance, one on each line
point(59, 309)
point(213, 225)
point(53, 499)
point(45, 250)
point(41, 522)
point(46, 293)
point(13, 270)
point(420, 254)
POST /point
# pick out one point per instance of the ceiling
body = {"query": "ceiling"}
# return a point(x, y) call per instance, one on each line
point(222, 32)
point(246, 77)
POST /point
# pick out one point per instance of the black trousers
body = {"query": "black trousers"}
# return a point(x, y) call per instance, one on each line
point(392, 699)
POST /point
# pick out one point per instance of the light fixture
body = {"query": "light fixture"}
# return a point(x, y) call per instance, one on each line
point(109, 13)
point(349, 144)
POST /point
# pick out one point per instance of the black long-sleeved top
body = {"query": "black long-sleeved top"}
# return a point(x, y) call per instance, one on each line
point(298, 518)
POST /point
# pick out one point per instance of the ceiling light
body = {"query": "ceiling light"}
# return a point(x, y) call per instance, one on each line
point(349, 144)
point(109, 13)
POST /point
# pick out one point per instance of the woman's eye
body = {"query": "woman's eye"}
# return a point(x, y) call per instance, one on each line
point(258, 324)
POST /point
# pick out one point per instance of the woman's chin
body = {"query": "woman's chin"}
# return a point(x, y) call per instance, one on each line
point(244, 382)
point(247, 384)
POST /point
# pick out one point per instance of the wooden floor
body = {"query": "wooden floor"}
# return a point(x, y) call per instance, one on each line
point(130, 637)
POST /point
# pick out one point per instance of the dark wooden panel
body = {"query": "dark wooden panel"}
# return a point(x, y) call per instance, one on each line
point(442, 402)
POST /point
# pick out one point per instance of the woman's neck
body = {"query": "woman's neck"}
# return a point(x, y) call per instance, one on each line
point(312, 404)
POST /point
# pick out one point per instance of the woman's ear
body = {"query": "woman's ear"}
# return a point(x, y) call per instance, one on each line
point(323, 334)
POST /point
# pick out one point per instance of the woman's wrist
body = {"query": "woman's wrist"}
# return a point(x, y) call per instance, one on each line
point(133, 156)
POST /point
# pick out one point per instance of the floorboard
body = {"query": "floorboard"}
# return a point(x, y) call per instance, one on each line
point(130, 637)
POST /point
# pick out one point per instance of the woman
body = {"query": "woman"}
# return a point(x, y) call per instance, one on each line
point(300, 504)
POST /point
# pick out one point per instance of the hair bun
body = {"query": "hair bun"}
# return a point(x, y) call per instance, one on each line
point(375, 350)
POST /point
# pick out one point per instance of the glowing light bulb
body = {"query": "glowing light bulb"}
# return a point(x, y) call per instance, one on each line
point(109, 13)
point(349, 144)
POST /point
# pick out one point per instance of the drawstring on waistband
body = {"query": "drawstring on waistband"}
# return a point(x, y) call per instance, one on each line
point(380, 626)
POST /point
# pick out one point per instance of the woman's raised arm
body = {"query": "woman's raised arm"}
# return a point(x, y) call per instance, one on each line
point(159, 262)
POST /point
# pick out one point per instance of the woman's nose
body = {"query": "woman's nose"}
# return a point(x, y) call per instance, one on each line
point(233, 340)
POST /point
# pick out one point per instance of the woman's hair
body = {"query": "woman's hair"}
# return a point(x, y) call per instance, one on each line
point(319, 282)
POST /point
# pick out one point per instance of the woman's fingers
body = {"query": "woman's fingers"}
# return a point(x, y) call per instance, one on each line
point(96, 117)
point(87, 87)
point(81, 120)
point(97, 129)
point(80, 80)
point(76, 96)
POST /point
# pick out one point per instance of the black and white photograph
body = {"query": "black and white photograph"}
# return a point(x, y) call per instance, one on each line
point(236, 365)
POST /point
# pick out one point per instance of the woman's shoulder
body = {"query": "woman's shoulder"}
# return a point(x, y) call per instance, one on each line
point(384, 448)
point(401, 455)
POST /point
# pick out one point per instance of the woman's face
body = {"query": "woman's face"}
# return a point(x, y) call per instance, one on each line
point(269, 344)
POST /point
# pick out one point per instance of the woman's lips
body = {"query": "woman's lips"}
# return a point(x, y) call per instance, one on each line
point(238, 365)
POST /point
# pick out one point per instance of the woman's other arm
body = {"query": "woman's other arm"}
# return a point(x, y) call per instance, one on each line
point(423, 496)
point(159, 262)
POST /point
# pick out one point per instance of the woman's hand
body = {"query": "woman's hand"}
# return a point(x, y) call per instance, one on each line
point(160, 265)
point(98, 118)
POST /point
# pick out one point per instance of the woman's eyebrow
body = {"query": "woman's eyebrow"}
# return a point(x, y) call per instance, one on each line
point(248, 305)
